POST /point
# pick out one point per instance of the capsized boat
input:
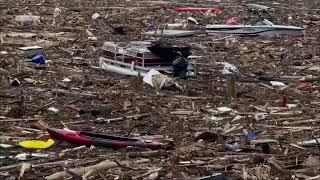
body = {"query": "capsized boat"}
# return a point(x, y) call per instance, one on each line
point(265, 25)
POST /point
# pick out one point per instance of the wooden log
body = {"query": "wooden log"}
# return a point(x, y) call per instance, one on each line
point(57, 163)
point(190, 97)
point(289, 127)
point(18, 120)
point(182, 112)
point(261, 141)
point(61, 91)
point(4, 168)
point(104, 165)
point(121, 118)
point(147, 173)
point(307, 121)
point(231, 86)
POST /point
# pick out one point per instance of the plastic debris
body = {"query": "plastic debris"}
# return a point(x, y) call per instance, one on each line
point(15, 82)
point(234, 147)
point(30, 51)
point(233, 21)
point(157, 80)
point(28, 20)
point(56, 12)
point(191, 19)
point(95, 16)
point(6, 145)
point(237, 118)
point(24, 156)
point(250, 135)
point(151, 26)
point(93, 38)
point(53, 109)
point(230, 69)
point(224, 109)
point(89, 33)
point(176, 25)
point(259, 116)
point(304, 85)
point(36, 144)
point(291, 106)
point(66, 80)
point(213, 119)
point(277, 83)
point(3, 52)
point(29, 80)
point(265, 147)
point(38, 59)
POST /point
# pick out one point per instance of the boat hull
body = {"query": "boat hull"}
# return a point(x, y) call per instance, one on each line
point(271, 31)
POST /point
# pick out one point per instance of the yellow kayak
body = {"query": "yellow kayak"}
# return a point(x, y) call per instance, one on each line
point(36, 144)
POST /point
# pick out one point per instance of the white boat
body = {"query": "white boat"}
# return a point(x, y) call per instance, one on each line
point(266, 29)
point(262, 27)
point(135, 59)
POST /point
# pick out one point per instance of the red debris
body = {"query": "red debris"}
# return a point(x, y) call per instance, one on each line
point(283, 101)
point(233, 21)
point(304, 85)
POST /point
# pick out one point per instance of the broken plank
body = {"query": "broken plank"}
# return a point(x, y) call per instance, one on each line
point(61, 91)
point(182, 112)
point(104, 165)
point(309, 142)
point(262, 141)
point(190, 97)
point(121, 118)
point(18, 120)
point(288, 127)
point(301, 122)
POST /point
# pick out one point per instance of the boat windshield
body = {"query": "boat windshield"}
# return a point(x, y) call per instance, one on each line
point(264, 22)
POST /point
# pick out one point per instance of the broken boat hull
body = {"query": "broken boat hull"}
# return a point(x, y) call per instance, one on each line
point(133, 69)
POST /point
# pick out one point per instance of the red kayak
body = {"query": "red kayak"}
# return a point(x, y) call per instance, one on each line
point(94, 139)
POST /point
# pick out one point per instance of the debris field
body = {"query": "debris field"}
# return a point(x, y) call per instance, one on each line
point(270, 130)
